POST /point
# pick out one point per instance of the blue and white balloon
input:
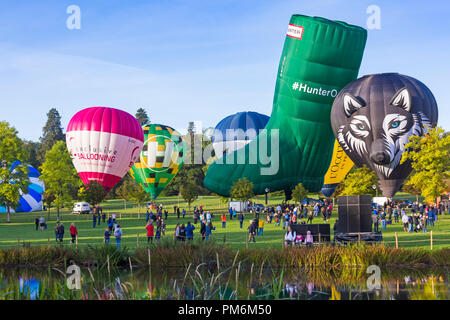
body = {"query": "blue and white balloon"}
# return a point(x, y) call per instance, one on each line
point(236, 130)
point(32, 200)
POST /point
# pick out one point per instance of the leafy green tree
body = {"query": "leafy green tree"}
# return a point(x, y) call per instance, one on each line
point(59, 175)
point(189, 192)
point(138, 195)
point(430, 160)
point(93, 192)
point(122, 191)
point(359, 182)
point(299, 193)
point(51, 133)
point(48, 200)
point(11, 182)
point(32, 150)
point(242, 190)
point(142, 116)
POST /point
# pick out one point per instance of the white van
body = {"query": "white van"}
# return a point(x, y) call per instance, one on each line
point(81, 207)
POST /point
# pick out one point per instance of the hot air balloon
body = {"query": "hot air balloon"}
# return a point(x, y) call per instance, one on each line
point(236, 130)
point(160, 160)
point(339, 167)
point(104, 144)
point(319, 58)
point(373, 118)
point(32, 200)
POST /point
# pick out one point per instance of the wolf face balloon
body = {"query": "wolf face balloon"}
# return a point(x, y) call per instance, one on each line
point(373, 118)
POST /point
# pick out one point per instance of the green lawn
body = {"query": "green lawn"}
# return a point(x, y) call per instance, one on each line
point(22, 228)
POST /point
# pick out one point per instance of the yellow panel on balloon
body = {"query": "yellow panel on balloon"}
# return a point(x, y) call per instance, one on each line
point(339, 167)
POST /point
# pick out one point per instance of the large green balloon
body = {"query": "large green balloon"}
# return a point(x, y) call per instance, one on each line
point(161, 158)
point(319, 58)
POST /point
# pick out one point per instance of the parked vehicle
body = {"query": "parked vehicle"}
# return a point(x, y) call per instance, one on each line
point(311, 201)
point(81, 207)
point(405, 203)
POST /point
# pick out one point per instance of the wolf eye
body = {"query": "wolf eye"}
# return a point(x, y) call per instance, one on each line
point(395, 124)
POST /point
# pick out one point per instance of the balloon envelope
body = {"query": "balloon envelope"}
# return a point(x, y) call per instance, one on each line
point(32, 200)
point(160, 160)
point(104, 144)
point(374, 116)
point(236, 130)
point(339, 167)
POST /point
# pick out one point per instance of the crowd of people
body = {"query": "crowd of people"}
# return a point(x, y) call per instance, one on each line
point(421, 217)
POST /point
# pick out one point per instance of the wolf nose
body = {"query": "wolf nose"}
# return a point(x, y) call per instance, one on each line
point(380, 158)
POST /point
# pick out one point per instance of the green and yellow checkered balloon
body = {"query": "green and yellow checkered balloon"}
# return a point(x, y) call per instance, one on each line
point(161, 158)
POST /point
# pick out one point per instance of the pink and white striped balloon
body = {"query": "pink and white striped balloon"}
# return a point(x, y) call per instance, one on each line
point(104, 144)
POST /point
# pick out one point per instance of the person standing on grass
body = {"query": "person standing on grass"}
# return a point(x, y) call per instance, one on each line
point(177, 232)
point(36, 222)
point(224, 220)
point(42, 223)
point(209, 230)
point(163, 227)
point(110, 223)
point(61, 232)
point(241, 219)
point(285, 220)
point(183, 213)
point(190, 231)
point(182, 233)
point(73, 232)
point(107, 235)
point(310, 217)
point(396, 215)
point(203, 229)
point(178, 213)
point(375, 221)
point(103, 214)
point(251, 231)
point(158, 234)
point(405, 222)
point(383, 220)
point(261, 227)
point(149, 228)
point(118, 235)
point(94, 219)
point(147, 216)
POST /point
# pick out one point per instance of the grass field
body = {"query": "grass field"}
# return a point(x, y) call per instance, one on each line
point(22, 229)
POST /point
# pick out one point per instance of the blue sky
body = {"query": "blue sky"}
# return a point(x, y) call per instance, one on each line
point(191, 60)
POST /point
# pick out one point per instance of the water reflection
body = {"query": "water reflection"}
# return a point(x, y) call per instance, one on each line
point(121, 284)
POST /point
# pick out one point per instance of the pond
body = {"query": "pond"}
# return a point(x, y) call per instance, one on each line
point(201, 283)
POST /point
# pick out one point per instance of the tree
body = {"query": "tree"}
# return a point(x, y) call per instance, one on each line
point(138, 195)
point(123, 191)
point(51, 133)
point(299, 193)
point(48, 200)
point(142, 116)
point(31, 153)
point(93, 192)
point(430, 160)
point(242, 190)
point(59, 175)
point(189, 192)
point(359, 182)
point(11, 181)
